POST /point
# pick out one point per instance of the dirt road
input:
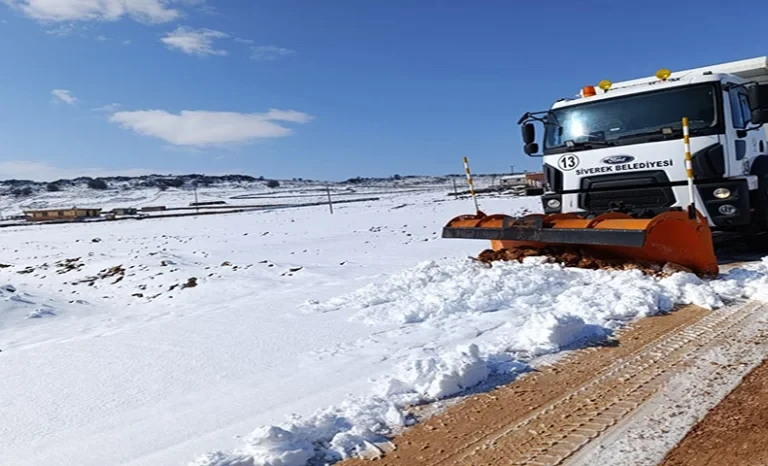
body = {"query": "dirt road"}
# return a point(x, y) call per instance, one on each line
point(734, 433)
point(600, 404)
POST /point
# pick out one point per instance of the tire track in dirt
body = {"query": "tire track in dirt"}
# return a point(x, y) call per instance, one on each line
point(543, 419)
point(734, 432)
point(583, 415)
point(646, 436)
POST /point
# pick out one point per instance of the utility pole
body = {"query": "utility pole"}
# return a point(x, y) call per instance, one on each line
point(512, 169)
point(330, 202)
point(197, 205)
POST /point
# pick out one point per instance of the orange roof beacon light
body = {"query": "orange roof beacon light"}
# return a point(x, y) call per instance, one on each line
point(588, 91)
point(604, 85)
point(663, 74)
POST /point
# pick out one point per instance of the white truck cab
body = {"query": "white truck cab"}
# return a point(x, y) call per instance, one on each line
point(619, 146)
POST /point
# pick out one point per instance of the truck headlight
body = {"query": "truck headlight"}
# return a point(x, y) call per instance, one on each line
point(727, 209)
point(722, 193)
point(553, 204)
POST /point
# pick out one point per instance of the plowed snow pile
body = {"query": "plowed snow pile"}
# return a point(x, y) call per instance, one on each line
point(450, 325)
point(576, 257)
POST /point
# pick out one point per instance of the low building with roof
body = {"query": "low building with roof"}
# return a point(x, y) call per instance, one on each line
point(74, 213)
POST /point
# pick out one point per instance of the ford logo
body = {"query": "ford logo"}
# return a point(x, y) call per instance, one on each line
point(617, 159)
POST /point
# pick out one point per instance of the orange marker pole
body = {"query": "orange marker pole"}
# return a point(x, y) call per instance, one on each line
point(471, 186)
point(689, 169)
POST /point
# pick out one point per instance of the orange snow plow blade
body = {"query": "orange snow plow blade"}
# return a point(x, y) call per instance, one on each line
point(667, 237)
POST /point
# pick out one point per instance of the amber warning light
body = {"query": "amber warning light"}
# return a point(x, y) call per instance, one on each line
point(588, 91)
point(663, 74)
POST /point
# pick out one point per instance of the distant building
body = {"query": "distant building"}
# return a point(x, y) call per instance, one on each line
point(513, 180)
point(535, 179)
point(527, 180)
point(60, 214)
point(157, 208)
point(124, 211)
point(193, 204)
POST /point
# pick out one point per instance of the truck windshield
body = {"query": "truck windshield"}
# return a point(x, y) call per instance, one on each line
point(634, 118)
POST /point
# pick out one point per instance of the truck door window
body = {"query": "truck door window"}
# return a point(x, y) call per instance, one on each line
point(738, 118)
point(744, 103)
point(739, 108)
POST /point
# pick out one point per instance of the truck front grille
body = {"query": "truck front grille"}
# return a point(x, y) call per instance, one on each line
point(647, 191)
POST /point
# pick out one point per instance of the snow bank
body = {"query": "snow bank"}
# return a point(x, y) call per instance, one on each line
point(483, 320)
point(749, 281)
point(437, 376)
point(16, 305)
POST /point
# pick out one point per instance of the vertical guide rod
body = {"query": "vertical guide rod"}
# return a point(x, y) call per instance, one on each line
point(197, 205)
point(471, 186)
point(689, 169)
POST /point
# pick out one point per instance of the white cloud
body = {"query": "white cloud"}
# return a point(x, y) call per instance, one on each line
point(126, 42)
point(287, 115)
point(65, 30)
point(244, 41)
point(147, 11)
point(194, 41)
point(64, 95)
point(269, 52)
point(102, 38)
point(207, 9)
point(107, 108)
point(205, 128)
point(36, 171)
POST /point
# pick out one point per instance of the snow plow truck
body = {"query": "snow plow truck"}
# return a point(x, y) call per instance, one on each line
point(653, 169)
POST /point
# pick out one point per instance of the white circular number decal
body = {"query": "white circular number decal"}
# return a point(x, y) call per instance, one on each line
point(568, 162)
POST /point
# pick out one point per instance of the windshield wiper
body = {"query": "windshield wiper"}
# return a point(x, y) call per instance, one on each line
point(665, 133)
point(656, 132)
point(587, 144)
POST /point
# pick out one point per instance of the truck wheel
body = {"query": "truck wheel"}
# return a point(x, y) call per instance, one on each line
point(757, 243)
point(760, 199)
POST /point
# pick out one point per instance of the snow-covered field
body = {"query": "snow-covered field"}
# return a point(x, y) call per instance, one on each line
point(133, 194)
point(282, 337)
point(143, 197)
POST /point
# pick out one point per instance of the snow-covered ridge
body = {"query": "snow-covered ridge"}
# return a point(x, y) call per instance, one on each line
point(107, 193)
point(25, 188)
point(479, 321)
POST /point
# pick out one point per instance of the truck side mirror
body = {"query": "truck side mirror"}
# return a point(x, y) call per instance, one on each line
point(753, 96)
point(529, 133)
point(758, 116)
point(531, 148)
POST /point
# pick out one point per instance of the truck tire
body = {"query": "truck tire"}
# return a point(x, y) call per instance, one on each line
point(534, 191)
point(757, 243)
point(759, 199)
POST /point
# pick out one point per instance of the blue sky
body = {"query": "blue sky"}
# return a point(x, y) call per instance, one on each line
point(320, 89)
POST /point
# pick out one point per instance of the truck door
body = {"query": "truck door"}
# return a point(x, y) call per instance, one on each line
point(739, 151)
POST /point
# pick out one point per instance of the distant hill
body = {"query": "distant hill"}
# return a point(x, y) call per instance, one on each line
point(21, 188)
point(25, 188)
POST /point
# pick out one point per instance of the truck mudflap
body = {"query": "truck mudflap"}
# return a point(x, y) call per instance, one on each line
point(668, 237)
